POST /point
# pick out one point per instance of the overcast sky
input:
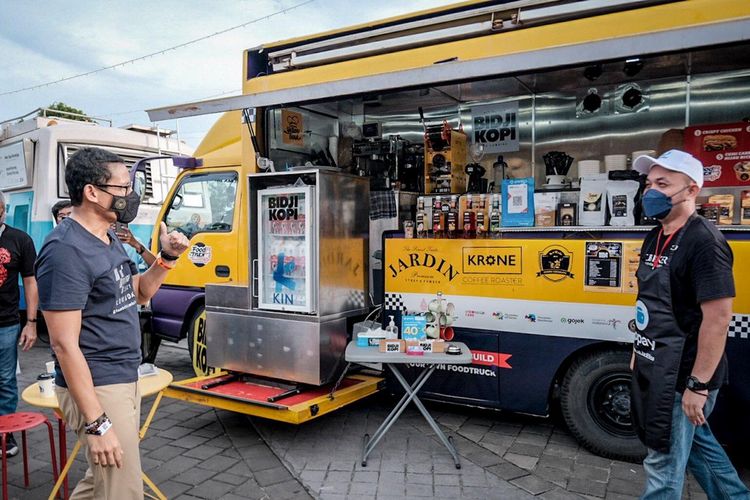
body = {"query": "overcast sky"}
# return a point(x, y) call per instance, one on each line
point(42, 42)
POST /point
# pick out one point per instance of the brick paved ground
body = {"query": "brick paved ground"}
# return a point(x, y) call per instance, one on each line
point(197, 452)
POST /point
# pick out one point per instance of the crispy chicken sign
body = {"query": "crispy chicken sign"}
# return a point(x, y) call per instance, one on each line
point(724, 151)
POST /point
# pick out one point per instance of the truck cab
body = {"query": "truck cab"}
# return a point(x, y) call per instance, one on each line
point(203, 205)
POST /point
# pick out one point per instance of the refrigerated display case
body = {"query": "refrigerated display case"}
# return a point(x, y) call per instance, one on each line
point(309, 240)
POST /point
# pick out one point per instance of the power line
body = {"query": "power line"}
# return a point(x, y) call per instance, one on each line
point(157, 53)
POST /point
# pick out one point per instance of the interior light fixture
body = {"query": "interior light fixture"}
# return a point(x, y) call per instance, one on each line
point(632, 67)
point(592, 102)
point(632, 98)
point(593, 72)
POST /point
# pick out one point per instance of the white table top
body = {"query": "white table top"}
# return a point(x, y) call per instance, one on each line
point(356, 354)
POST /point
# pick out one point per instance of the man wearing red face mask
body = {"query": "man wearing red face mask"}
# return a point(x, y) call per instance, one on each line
point(685, 291)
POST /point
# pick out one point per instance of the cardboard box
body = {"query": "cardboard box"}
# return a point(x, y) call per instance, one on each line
point(429, 345)
point(370, 338)
point(390, 345)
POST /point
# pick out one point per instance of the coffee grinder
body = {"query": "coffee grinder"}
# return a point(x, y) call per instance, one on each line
point(477, 183)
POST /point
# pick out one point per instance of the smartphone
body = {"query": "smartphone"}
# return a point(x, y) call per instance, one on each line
point(120, 227)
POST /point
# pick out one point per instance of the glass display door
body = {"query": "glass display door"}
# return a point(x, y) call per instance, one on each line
point(285, 249)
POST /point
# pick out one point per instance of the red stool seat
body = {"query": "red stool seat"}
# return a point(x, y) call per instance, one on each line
point(17, 422)
point(21, 422)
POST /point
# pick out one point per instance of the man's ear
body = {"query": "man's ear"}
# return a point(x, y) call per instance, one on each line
point(90, 193)
point(693, 190)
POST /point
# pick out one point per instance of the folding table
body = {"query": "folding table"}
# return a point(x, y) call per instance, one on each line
point(429, 362)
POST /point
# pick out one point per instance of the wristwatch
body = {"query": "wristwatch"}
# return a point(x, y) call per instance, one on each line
point(693, 384)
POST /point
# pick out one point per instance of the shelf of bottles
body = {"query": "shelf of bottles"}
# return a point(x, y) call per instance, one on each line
point(454, 216)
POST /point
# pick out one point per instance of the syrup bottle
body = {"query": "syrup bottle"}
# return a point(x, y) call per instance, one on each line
point(437, 218)
point(470, 219)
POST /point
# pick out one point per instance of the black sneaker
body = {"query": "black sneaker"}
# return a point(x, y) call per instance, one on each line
point(11, 446)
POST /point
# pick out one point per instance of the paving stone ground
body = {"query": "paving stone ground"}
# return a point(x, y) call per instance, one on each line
point(193, 451)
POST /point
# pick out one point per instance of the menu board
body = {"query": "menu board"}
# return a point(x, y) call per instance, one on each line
point(14, 166)
point(724, 151)
point(603, 265)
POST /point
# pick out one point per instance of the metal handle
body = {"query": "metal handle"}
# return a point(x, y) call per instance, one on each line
point(255, 278)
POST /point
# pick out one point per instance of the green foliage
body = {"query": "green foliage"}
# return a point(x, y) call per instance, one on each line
point(61, 106)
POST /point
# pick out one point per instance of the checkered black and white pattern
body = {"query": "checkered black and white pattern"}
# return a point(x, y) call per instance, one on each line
point(356, 299)
point(739, 327)
point(394, 302)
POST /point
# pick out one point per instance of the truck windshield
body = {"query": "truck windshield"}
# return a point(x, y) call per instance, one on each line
point(203, 203)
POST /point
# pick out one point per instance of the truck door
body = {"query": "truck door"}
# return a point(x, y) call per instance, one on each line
point(203, 208)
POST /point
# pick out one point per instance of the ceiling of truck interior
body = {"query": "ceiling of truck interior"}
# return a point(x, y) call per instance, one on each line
point(669, 66)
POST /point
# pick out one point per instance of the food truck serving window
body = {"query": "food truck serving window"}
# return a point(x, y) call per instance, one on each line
point(203, 203)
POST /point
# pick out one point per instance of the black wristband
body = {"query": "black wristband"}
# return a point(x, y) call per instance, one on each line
point(698, 393)
point(169, 258)
point(31, 320)
point(143, 249)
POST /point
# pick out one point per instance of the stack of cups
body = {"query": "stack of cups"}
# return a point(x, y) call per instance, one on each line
point(588, 168)
point(615, 162)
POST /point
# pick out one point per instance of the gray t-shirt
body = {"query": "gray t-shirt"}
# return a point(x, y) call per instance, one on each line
point(75, 270)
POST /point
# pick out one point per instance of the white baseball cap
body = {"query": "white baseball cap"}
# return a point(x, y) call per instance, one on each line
point(675, 160)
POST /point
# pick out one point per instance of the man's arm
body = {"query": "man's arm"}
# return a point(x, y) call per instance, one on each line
point(64, 329)
point(28, 334)
point(712, 337)
point(146, 284)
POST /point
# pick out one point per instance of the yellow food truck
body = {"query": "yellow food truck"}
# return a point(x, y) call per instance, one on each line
point(540, 104)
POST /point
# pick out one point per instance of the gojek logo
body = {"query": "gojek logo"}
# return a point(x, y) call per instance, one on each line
point(641, 315)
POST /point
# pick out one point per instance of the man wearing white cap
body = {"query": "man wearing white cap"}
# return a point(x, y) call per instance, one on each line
point(684, 276)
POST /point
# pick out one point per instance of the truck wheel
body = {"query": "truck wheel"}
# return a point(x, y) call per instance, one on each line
point(196, 340)
point(595, 402)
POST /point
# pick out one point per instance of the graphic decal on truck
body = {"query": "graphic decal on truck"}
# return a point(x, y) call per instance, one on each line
point(555, 262)
point(200, 254)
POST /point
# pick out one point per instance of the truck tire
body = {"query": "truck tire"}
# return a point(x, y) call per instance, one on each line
point(196, 341)
point(595, 403)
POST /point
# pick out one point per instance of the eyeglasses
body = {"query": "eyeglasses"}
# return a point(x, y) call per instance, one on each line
point(127, 188)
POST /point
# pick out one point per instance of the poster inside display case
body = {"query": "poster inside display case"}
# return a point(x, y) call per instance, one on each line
point(285, 249)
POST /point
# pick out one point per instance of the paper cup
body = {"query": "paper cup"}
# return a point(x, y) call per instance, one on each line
point(46, 385)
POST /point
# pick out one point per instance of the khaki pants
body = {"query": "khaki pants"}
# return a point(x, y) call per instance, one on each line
point(122, 403)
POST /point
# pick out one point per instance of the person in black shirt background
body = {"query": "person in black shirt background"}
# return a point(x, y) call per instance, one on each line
point(683, 310)
point(17, 256)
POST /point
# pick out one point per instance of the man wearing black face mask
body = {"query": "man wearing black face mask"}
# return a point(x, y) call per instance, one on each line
point(88, 290)
point(684, 305)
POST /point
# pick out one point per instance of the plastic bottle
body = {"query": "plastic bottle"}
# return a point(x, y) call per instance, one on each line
point(391, 331)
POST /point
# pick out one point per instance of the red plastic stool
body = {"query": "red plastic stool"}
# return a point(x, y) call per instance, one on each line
point(21, 422)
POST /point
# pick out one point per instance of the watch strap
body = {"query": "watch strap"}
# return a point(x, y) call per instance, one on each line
point(696, 385)
point(168, 257)
point(100, 426)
